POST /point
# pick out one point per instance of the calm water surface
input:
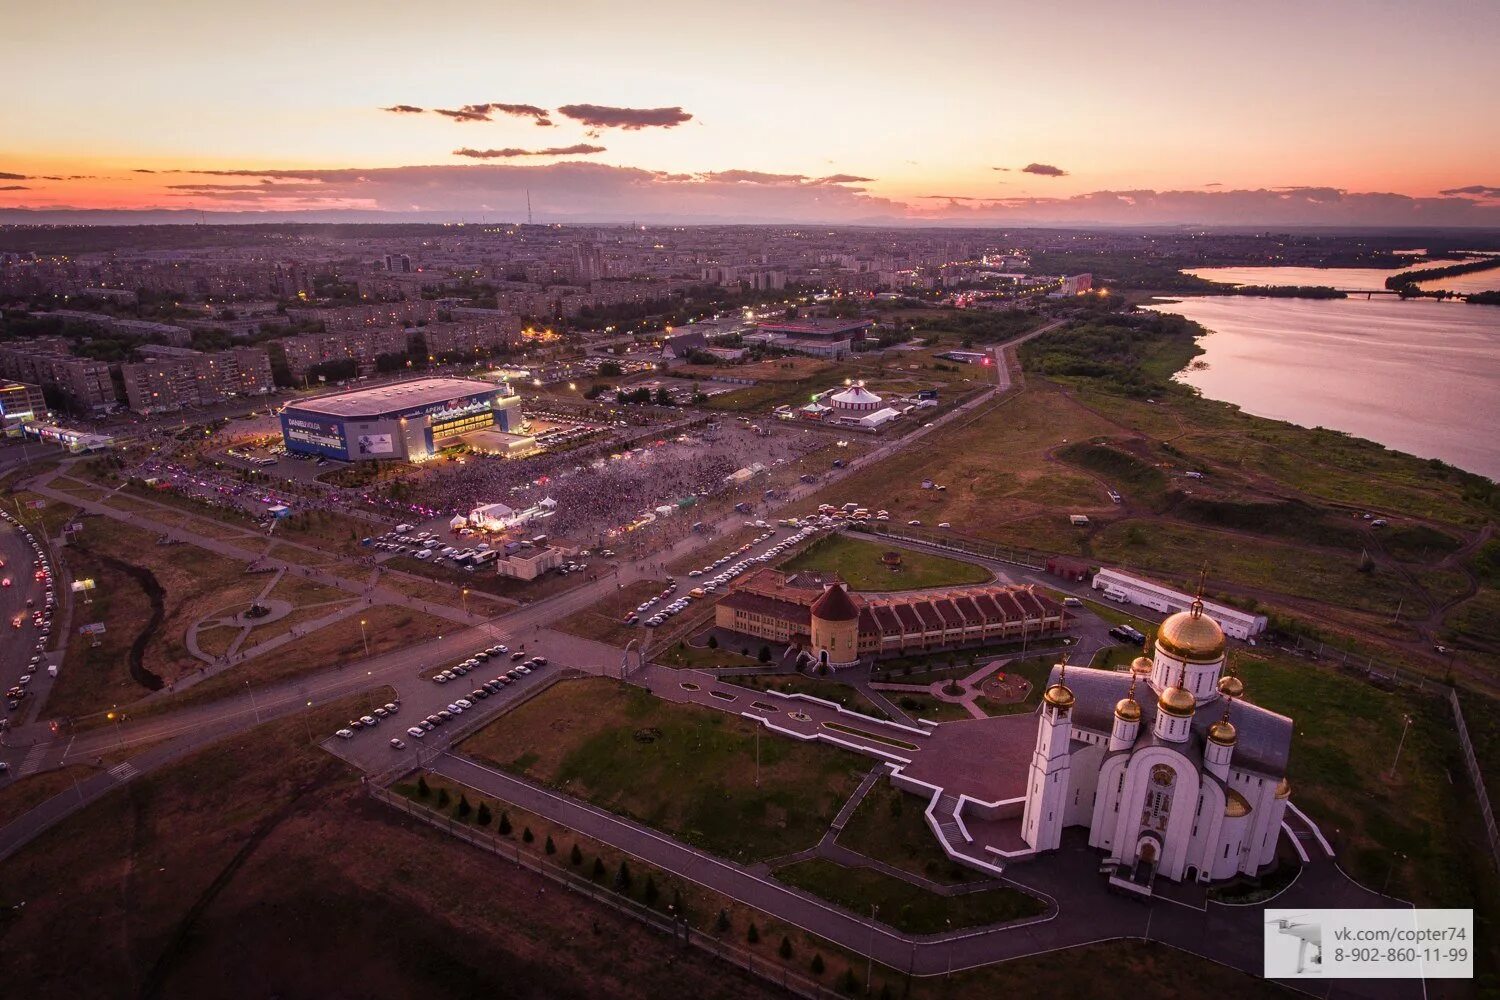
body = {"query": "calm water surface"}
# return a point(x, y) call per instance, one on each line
point(1348, 278)
point(1419, 376)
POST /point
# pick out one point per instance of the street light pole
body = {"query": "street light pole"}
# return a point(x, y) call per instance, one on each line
point(870, 951)
point(365, 638)
point(253, 705)
point(1401, 743)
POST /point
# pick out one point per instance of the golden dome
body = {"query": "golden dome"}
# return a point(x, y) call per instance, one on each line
point(1128, 710)
point(1284, 789)
point(1235, 804)
point(1222, 733)
point(1177, 701)
point(1231, 686)
point(1191, 635)
point(1140, 665)
point(1059, 696)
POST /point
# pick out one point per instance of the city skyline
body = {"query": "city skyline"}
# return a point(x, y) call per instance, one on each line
point(982, 113)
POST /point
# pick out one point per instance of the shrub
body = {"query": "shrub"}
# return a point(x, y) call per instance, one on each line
point(721, 924)
point(598, 871)
point(443, 798)
point(785, 951)
point(527, 835)
point(575, 857)
point(817, 965)
point(504, 827)
point(484, 815)
point(650, 893)
point(463, 807)
point(764, 655)
point(622, 878)
point(551, 847)
point(424, 790)
point(713, 642)
point(847, 983)
point(752, 935)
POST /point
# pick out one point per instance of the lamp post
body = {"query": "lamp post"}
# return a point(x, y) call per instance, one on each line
point(364, 637)
point(465, 595)
point(870, 951)
point(1401, 743)
point(307, 724)
point(253, 706)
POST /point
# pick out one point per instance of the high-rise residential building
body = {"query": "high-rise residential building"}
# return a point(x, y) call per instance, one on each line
point(20, 402)
point(79, 384)
point(169, 380)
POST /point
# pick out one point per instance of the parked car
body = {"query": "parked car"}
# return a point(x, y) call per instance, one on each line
point(397, 744)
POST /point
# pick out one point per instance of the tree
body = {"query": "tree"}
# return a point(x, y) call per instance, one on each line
point(847, 983)
point(575, 857)
point(622, 877)
point(551, 848)
point(598, 871)
point(752, 935)
point(463, 807)
point(527, 835)
point(424, 790)
point(713, 642)
point(484, 816)
point(785, 951)
point(650, 892)
point(764, 655)
point(817, 965)
point(721, 924)
point(504, 826)
point(664, 398)
point(443, 798)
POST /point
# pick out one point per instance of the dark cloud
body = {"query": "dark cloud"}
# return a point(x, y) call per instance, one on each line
point(600, 116)
point(13, 177)
point(1213, 184)
point(142, 170)
point(462, 114)
point(578, 149)
point(69, 177)
point(1482, 190)
point(1044, 170)
point(1004, 169)
point(403, 109)
point(844, 179)
point(14, 187)
point(540, 115)
point(752, 177)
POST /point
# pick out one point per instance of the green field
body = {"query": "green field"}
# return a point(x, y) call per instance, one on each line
point(686, 770)
point(904, 906)
point(888, 826)
point(859, 564)
point(1417, 833)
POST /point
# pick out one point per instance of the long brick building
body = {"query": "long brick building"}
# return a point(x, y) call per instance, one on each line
point(840, 627)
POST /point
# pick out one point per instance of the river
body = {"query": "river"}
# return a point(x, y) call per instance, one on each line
point(1364, 279)
point(1418, 376)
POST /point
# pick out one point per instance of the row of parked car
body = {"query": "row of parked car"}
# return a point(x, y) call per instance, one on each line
point(40, 617)
point(725, 575)
point(472, 663)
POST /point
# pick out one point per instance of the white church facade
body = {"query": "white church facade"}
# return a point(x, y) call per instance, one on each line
point(1169, 770)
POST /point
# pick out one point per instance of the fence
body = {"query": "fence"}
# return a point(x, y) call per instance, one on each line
point(678, 929)
point(1476, 777)
point(1365, 665)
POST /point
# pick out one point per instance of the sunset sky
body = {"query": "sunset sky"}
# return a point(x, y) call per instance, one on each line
point(1329, 112)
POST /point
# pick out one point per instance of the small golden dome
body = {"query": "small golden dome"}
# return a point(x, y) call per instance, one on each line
point(1223, 733)
point(1177, 701)
point(1128, 710)
point(1284, 789)
point(1059, 695)
point(1235, 804)
point(1140, 665)
point(1191, 635)
point(1231, 686)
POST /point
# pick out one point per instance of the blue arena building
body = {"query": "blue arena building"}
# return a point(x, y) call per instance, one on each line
point(410, 420)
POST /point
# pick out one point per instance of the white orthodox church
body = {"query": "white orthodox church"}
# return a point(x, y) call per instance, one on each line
point(1169, 770)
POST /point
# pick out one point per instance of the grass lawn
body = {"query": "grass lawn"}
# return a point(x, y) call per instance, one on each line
point(925, 706)
point(1176, 552)
point(888, 826)
point(1419, 830)
point(858, 563)
point(686, 770)
point(818, 687)
point(904, 906)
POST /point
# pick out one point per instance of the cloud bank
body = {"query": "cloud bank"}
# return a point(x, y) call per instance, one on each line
point(631, 119)
point(580, 191)
point(578, 149)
